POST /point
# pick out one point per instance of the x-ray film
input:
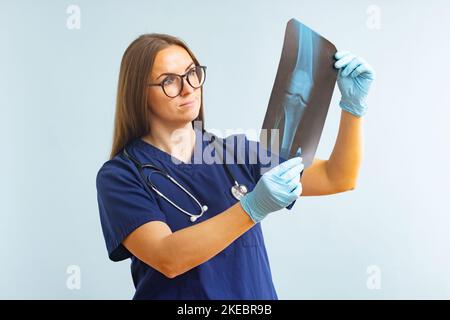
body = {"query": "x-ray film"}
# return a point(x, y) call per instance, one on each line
point(301, 94)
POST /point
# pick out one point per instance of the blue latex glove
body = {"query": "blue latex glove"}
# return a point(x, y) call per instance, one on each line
point(276, 189)
point(354, 79)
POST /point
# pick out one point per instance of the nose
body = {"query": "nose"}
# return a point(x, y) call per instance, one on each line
point(186, 87)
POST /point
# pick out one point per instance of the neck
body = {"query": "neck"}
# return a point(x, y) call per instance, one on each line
point(177, 141)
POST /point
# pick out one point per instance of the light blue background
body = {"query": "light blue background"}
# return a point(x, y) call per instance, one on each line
point(57, 95)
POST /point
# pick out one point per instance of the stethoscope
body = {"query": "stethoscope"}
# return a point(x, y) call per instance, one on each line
point(237, 190)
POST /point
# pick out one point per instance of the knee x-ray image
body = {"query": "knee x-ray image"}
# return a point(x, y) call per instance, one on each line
point(301, 94)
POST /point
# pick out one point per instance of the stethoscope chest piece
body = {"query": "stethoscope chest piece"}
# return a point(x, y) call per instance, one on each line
point(238, 191)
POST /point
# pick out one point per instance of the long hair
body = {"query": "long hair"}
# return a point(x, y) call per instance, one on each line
point(132, 115)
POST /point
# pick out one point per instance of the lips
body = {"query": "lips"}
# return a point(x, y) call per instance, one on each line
point(187, 102)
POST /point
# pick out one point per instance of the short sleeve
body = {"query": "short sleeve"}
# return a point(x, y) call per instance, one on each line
point(261, 160)
point(124, 205)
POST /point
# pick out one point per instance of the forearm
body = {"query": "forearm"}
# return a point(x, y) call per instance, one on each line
point(191, 246)
point(345, 159)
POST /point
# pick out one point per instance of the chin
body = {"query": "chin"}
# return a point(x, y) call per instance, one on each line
point(189, 116)
point(194, 115)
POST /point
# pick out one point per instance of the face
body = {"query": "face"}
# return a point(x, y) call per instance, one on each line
point(173, 59)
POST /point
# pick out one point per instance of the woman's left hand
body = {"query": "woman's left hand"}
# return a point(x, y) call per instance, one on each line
point(354, 79)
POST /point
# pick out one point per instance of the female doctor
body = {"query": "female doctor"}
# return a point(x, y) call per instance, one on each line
point(210, 247)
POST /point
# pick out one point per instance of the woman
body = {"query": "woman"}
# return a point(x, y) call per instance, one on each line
point(215, 249)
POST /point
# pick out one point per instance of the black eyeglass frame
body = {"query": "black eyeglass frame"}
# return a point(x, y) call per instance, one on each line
point(161, 84)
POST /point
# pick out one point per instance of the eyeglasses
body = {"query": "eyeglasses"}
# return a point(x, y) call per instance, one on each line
point(172, 85)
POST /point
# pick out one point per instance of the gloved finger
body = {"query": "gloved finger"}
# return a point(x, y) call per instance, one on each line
point(297, 190)
point(338, 55)
point(344, 61)
point(364, 69)
point(283, 167)
point(295, 178)
point(356, 62)
point(293, 182)
point(290, 187)
point(292, 172)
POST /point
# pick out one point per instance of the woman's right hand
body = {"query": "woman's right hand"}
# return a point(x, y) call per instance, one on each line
point(276, 189)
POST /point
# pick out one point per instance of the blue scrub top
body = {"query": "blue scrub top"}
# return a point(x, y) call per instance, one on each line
point(240, 271)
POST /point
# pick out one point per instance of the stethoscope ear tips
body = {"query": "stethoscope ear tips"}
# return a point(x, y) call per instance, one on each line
point(204, 208)
point(193, 219)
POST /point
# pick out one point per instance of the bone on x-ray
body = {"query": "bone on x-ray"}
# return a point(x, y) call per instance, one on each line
point(301, 94)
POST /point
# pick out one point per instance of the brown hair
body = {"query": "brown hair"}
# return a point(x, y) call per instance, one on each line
point(132, 115)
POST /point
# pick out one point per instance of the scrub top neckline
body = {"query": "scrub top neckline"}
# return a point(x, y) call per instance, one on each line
point(168, 158)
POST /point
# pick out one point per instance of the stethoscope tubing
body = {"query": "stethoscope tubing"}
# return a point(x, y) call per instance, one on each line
point(148, 183)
